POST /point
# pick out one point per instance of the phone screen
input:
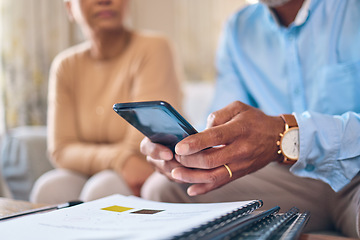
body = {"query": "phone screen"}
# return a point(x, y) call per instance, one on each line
point(157, 120)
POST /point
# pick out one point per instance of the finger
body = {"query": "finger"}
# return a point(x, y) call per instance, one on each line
point(164, 167)
point(217, 156)
point(154, 150)
point(225, 114)
point(219, 175)
point(215, 136)
point(201, 188)
point(206, 159)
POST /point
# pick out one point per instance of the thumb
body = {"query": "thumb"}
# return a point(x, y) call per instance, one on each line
point(225, 114)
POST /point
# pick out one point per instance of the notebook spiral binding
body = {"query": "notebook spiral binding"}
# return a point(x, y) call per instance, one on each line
point(203, 230)
point(286, 226)
point(294, 230)
point(273, 228)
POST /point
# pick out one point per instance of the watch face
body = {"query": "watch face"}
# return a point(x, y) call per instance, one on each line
point(290, 144)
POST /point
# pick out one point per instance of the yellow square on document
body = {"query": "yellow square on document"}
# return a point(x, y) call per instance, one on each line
point(116, 208)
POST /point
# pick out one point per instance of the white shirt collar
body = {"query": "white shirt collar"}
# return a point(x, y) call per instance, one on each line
point(303, 13)
point(301, 16)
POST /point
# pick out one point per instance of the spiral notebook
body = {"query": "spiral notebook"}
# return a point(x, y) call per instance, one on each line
point(121, 217)
point(239, 225)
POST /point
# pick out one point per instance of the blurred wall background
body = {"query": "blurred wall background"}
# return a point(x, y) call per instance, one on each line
point(194, 25)
point(32, 32)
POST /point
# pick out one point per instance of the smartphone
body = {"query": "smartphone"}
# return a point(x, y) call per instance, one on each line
point(157, 120)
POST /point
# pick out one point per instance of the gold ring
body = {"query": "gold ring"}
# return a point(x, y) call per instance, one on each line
point(229, 170)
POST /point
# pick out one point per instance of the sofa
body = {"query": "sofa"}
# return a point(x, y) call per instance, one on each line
point(23, 160)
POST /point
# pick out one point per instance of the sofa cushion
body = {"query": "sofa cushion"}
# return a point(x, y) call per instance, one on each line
point(24, 159)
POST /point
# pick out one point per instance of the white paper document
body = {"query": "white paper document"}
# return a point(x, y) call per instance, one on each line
point(116, 217)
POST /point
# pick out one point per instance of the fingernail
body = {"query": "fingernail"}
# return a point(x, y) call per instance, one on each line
point(210, 121)
point(182, 149)
point(175, 174)
point(191, 192)
point(166, 155)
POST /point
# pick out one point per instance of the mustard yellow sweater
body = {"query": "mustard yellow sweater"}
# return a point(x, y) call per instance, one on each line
point(84, 133)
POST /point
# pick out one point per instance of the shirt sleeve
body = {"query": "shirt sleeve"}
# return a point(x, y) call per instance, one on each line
point(329, 148)
point(329, 144)
point(158, 77)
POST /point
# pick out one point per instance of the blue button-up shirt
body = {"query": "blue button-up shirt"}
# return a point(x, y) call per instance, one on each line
point(310, 69)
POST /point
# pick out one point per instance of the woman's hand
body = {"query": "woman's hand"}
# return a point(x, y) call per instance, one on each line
point(135, 172)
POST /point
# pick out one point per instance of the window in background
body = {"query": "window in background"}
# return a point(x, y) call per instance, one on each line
point(32, 33)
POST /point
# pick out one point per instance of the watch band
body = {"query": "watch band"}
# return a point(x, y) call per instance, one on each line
point(289, 120)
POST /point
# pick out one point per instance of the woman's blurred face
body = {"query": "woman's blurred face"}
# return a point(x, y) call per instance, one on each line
point(99, 15)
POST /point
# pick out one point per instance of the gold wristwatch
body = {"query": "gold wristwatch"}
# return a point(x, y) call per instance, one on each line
point(289, 140)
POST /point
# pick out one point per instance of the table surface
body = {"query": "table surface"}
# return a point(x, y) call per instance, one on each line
point(322, 237)
point(10, 206)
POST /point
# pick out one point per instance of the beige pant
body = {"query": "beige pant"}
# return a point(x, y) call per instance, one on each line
point(60, 185)
point(276, 186)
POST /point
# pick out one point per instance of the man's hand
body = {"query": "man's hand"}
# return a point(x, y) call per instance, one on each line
point(238, 135)
point(160, 157)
